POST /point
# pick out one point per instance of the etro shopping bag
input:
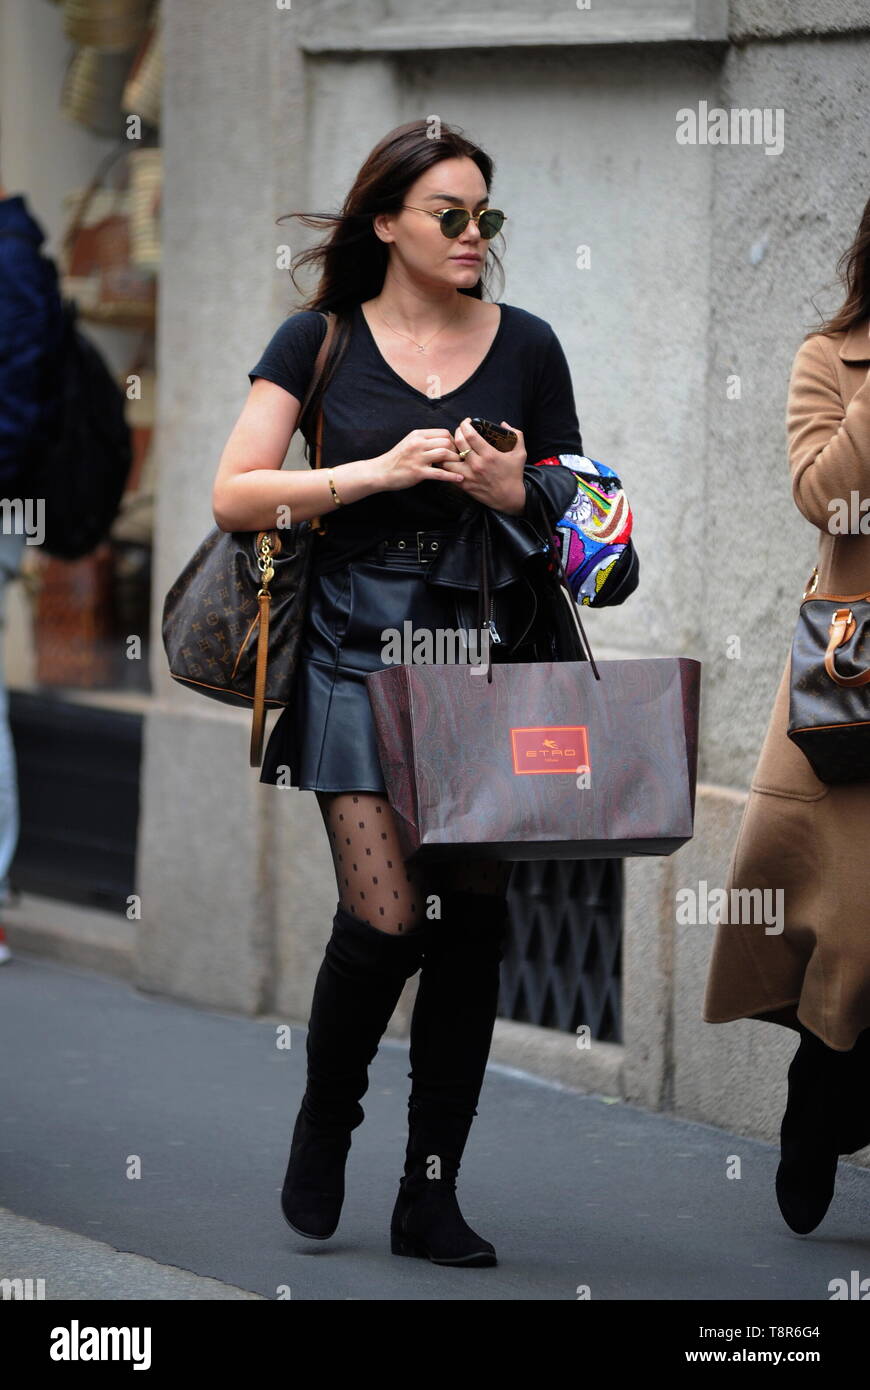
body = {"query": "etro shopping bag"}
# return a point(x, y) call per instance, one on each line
point(544, 761)
point(555, 759)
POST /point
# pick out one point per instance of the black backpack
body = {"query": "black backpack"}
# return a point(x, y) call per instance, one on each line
point(82, 470)
point(79, 463)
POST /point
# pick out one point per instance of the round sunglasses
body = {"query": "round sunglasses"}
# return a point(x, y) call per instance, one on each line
point(453, 221)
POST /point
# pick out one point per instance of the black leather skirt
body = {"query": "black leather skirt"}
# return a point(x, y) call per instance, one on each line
point(324, 739)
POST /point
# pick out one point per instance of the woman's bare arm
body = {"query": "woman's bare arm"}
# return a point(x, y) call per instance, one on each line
point(252, 491)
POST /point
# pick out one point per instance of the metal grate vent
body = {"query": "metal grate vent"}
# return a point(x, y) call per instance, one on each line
point(562, 963)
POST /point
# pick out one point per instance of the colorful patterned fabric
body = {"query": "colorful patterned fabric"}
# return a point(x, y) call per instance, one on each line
point(595, 530)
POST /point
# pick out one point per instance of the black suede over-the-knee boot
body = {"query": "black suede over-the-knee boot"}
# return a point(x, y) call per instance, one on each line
point(363, 973)
point(819, 1124)
point(451, 1034)
point(853, 1124)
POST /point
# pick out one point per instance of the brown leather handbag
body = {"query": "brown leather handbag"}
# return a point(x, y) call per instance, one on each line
point(232, 621)
point(829, 699)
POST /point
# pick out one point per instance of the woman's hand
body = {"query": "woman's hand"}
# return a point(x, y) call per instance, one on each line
point(491, 477)
point(422, 455)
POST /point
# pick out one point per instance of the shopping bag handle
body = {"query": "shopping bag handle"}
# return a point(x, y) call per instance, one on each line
point(560, 579)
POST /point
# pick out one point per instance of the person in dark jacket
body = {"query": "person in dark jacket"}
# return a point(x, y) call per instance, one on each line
point(30, 324)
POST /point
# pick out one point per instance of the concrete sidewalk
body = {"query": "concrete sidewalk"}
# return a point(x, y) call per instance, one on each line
point(144, 1143)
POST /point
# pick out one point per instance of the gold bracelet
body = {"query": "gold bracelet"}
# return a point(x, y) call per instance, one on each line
point(335, 495)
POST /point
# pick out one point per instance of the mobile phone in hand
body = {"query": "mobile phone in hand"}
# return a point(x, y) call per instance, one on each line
point(496, 435)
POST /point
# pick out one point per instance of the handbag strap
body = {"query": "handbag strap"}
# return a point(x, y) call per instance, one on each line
point(315, 522)
point(842, 627)
point(265, 552)
point(319, 364)
point(264, 600)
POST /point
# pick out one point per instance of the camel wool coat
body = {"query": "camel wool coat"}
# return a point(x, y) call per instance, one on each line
point(798, 834)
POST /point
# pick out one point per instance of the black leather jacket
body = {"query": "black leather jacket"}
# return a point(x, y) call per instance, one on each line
point(530, 618)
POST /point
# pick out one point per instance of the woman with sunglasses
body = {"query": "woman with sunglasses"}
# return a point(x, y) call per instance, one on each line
point(418, 351)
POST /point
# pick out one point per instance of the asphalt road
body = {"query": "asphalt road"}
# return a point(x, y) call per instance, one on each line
point(573, 1190)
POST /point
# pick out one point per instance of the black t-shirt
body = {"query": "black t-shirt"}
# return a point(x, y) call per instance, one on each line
point(368, 408)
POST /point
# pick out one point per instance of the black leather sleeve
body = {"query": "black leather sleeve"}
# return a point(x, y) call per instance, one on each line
point(550, 486)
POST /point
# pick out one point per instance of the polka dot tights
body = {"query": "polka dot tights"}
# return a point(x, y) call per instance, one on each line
point(373, 880)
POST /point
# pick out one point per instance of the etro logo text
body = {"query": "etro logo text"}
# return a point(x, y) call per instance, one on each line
point(550, 748)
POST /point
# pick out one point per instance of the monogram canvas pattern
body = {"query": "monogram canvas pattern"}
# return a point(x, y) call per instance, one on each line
point(211, 617)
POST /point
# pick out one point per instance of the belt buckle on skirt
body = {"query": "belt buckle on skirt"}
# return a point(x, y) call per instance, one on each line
point(420, 543)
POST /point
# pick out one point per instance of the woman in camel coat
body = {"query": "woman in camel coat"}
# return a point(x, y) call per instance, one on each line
point(801, 835)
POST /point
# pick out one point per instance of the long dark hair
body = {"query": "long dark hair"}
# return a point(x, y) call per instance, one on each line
point(853, 271)
point(352, 259)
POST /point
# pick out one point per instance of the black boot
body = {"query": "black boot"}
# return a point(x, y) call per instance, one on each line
point(853, 1097)
point(811, 1133)
point(451, 1034)
point(363, 974)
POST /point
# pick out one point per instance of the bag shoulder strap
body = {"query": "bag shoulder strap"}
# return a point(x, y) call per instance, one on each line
point(264, 598)
point(319, 364)
point(317, 373)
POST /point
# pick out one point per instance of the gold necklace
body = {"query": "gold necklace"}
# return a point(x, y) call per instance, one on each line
point(421, 347)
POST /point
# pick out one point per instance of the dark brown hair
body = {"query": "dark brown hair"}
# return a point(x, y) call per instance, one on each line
point(352, 258)
point(853, 271)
